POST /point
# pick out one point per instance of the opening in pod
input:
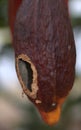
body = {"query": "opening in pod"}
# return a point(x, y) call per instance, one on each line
point(26, 73)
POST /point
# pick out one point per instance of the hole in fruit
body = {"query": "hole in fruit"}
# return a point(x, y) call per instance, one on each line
point(26, 73)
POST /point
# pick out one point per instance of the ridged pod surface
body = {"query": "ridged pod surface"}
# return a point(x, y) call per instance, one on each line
point(45, 54)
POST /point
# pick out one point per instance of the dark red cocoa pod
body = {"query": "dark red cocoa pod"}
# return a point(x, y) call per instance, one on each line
point(45, 54)
point(13, 6)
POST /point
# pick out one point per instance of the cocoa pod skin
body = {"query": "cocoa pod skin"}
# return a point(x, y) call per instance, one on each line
point(45, 54)
point(13, 6)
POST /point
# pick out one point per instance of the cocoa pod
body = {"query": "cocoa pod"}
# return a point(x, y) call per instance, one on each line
point(13, 6)
point(45, 54)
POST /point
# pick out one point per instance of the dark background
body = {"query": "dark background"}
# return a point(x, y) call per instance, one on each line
point(16, 112)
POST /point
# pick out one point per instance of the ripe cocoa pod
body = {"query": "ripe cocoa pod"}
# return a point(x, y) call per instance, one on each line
point(13, 6)
point(45, 54)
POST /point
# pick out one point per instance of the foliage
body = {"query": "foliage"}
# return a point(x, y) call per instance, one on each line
point(3, 13)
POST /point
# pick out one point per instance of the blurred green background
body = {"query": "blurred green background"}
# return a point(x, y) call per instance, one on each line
point(16, 111)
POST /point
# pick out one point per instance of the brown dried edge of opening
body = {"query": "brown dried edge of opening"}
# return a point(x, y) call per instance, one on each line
point(34, 86)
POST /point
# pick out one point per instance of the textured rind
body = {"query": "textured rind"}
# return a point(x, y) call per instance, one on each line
point(43, 32)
